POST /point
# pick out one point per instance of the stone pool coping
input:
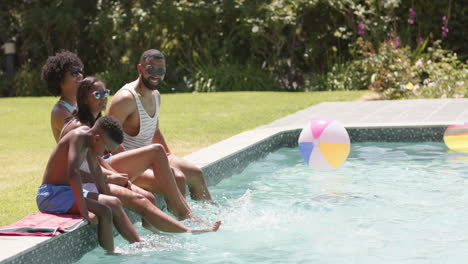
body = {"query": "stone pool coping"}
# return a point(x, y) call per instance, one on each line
point(406, 120)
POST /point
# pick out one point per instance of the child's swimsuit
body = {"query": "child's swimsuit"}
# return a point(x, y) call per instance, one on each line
point(56, 199)
point(89, 187)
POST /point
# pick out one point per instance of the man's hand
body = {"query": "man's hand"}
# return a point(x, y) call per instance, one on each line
point(118, 179)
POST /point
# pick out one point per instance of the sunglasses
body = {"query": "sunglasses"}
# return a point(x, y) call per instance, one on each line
point(100, 94)
point(75, 71)
point(154, 56)
point(152, 70)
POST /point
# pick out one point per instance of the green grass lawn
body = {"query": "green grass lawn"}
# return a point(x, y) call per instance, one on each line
point(188, 121)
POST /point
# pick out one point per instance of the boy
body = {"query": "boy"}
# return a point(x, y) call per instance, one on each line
point(61, 190)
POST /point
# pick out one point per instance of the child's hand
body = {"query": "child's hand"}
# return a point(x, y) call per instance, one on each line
point(92, 218)
point(129, 185)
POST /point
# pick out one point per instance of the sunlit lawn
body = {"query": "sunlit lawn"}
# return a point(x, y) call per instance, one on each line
point(188, 121)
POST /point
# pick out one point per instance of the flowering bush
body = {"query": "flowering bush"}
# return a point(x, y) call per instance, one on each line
point(399, 67)
point(441, 75)
point(391, 71)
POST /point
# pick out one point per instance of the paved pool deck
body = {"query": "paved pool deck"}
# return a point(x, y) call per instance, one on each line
point(357, 114)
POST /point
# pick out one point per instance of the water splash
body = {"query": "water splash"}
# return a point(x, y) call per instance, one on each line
point(157, 243)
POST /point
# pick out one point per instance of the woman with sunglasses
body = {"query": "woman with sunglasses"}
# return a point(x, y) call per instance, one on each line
point(92, 100)
point(62, 73)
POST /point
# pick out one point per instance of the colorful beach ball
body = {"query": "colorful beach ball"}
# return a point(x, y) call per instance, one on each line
point(456, 138)
point(324, 144)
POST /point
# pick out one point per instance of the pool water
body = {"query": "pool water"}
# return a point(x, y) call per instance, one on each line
point(389, 203)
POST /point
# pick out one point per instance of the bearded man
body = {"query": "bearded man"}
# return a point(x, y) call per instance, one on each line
point(136, 105)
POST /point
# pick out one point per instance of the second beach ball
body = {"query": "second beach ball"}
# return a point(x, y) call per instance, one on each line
point(456, 137)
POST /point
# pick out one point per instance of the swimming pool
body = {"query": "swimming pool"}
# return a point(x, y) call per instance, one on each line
point(389, 203)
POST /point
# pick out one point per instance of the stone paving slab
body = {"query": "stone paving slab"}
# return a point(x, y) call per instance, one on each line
point(420, 112)
point(12, 245)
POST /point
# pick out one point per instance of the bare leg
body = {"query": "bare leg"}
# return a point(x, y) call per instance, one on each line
point(161, 180)
point(148, 210)
point(150, 197)
point(180, 180)
point(104, 215)
point(195, 179)
point(119, 217)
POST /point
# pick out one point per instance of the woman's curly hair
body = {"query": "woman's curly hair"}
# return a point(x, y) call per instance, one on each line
point(53, 71)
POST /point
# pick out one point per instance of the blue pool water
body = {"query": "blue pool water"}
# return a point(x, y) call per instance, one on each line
point(389, 203)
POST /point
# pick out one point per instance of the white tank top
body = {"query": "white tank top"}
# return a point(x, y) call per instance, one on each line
point(148, 124)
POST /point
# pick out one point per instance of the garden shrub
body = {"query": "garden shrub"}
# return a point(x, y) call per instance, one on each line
point(396, 73)
point(233, 77)
point(441, 75)
point(27, 82)
point(115, 78)
point(389, 70)
point(298, 42)
point(341, 77)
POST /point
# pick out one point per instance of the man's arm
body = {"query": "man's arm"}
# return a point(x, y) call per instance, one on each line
point(74, 159)
point(158, 137)
point(121, 107)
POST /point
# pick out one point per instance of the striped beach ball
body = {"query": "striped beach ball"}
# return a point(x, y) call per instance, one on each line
point(456, 138)
point(324, 144)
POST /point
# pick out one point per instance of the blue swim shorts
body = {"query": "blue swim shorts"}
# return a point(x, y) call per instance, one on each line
point(55, 199)
point(107, 157)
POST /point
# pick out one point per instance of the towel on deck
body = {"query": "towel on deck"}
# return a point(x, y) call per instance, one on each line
point(43, 224)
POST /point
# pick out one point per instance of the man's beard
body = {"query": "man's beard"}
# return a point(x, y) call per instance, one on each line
point(149, 85)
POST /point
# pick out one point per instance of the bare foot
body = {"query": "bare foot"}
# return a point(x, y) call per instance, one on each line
point(214, 228)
